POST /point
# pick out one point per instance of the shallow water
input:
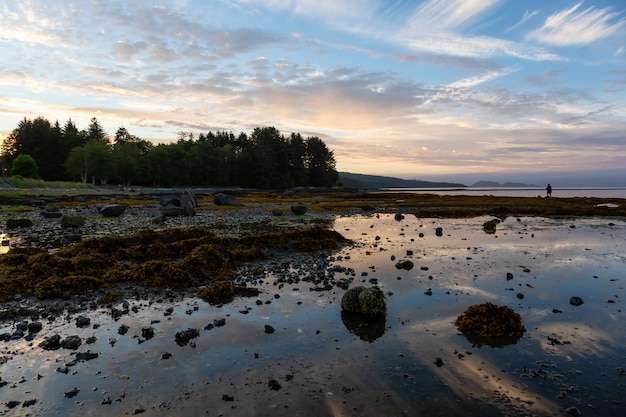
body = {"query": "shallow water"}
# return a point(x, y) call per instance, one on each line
point(327, 365)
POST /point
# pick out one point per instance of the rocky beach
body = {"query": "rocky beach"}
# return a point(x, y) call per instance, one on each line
point(280, 344)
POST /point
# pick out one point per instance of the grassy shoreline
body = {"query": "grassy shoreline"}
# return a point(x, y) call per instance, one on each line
point(334, 200)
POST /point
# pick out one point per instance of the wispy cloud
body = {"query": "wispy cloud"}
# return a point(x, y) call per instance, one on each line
point(447, 15)
point(525, 18)
point(577, 26)
point(478, 47)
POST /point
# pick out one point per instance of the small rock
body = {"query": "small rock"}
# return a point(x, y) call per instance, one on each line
point(573, 411)
point(269, 329)
point(576, 301)
point(72, 393)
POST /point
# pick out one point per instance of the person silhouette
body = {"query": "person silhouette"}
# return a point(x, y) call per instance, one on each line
point(549, 191)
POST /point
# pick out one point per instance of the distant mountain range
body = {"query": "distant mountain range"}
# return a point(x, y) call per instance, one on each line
point(493, 184)
point(370, 182)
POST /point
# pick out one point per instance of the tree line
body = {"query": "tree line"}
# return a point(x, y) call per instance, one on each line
point(263, 159)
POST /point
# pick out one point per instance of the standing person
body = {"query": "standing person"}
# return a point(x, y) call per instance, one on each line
point(549, 191)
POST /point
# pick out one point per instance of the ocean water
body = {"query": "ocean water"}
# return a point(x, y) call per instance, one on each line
point(609, 192)
point(318, 362)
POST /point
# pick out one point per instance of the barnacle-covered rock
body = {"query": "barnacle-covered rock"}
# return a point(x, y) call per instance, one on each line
point(367, 301)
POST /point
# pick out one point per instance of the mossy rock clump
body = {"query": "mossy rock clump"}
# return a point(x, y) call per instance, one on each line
point(171, 258)
point(55, 286)
point(369, 302)
point(489, 324)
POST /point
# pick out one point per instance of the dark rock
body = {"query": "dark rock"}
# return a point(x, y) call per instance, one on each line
point(269, 329)
point(172, 211)
point(34, 327)
point(72, 393)
point(83, 321)
point(147, 333)
point(70, 221)
point(17, 223)
point(183, 337)
point(299, 209)
point(71, 342)
point(490, 226)
point(221, 199)
point(576, 301)
point(277, 212)
point(51, 213)
point(170, 200)
point(29, 403)
point(406, 264)
point(51, 343)
point(188, 203)
point(370, 301)
point(227, 398)
point(13, 404)
point(398, 217)
point(123, 329)
point(274, 385)
point(86, 356)
point(573, 411)
point(509, 276)
point(439, 231)
point(439, 362)
point(112, 210)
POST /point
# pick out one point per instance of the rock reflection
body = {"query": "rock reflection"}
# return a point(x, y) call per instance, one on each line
point(366, 328)
point(494, 342)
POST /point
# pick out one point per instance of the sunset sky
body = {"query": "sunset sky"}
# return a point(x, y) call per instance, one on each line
point(433, 89)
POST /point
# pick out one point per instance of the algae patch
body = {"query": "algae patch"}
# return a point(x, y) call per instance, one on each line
point(171, 258)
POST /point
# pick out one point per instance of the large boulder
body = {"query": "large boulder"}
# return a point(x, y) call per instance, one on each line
point(188, 203)
point(112, 210)
point(299, 209)
point(17, 223)
point(221, 199)
point(172, 211)
point(72, 220)
point(181, 205)
point(369, 301)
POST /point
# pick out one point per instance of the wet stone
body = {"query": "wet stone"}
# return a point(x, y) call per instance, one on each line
point(71, 342)
point(576, 301)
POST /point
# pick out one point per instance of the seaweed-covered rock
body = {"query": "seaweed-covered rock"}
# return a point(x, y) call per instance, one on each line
point(490, 226)
point(367, 301)
point(490, 324)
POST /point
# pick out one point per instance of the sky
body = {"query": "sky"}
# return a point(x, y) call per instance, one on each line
point(455, 90)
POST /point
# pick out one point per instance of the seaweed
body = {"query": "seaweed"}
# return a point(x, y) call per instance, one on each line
point(489, 324)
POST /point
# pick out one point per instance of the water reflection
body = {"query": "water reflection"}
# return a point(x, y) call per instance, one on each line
point(366, 328)
point(317, 355)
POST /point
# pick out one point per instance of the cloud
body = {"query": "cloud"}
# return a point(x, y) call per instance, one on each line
point(575, 26)
point(477, 47)
point(447, 15)
point(525, 18)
